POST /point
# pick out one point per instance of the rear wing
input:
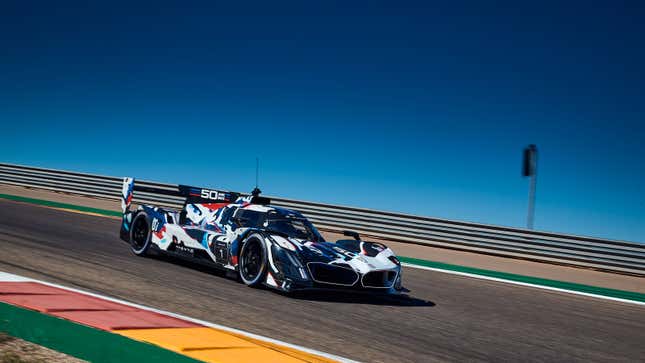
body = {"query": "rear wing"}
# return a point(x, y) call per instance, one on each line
point(126, 194)
point(192, 195)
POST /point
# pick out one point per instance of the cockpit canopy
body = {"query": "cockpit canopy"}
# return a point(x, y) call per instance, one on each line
point(279, 220)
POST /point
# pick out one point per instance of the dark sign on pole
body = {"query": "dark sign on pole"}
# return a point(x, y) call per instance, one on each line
point(529, 169)
point(530, 160)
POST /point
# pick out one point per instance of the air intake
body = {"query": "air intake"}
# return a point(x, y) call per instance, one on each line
point(334, 275)
point(379, 279)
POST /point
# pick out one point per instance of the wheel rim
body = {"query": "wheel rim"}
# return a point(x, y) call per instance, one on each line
point(252, 260)
point(139, 233)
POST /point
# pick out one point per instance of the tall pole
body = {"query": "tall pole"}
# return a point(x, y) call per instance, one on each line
point(530, 170)
point(531, 212)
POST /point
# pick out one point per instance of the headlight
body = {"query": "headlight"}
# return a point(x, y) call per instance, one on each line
point(394, 260)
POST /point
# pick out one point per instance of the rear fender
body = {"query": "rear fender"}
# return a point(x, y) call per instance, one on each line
point(158, 218)
point(126, 223)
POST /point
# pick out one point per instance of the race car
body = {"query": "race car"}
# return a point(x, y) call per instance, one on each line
point(262, 244)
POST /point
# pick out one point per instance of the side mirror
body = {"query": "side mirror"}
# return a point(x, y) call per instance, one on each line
point(353, 234)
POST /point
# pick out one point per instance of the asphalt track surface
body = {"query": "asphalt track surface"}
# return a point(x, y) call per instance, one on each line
point(445, 318)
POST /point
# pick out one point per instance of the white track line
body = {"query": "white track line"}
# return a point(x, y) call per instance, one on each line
point(7, 277)
point(481, 277)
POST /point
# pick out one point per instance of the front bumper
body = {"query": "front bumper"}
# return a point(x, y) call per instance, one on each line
point(324, 276)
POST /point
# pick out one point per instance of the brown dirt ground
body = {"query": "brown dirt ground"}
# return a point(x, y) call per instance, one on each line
point(14, 350)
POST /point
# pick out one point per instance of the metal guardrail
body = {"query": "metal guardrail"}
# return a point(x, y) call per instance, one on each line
point(603, 254)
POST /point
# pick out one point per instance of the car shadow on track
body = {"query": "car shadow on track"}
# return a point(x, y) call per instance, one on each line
point(350, 297)
point(184, 262)
point(336, 296)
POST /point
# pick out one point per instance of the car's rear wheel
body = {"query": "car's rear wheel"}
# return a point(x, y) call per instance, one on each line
point(140, 234)
point(253, 260)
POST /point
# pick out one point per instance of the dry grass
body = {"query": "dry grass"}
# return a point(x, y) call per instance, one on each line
point(14, 350)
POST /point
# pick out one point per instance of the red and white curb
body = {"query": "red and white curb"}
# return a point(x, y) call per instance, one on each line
point(8, 277)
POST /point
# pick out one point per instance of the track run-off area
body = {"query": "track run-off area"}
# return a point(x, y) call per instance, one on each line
point(445, 317)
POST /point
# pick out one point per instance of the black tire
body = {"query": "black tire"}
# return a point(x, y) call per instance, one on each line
point(253, 260)
point(140, 234)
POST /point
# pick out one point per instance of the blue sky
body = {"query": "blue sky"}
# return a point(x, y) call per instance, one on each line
point(411, 107)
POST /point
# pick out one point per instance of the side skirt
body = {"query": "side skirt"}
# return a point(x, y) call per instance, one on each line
point(186, 258)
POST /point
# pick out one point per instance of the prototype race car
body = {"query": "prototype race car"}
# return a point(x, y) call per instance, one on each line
point(263, 244)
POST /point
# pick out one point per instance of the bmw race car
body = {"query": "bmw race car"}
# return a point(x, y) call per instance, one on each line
point(263, 244)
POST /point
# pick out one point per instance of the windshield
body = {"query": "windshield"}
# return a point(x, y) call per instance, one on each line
point(295, 228)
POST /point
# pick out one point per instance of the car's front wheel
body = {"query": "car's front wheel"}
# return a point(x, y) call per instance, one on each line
point(253, 260)
point(140, 234)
